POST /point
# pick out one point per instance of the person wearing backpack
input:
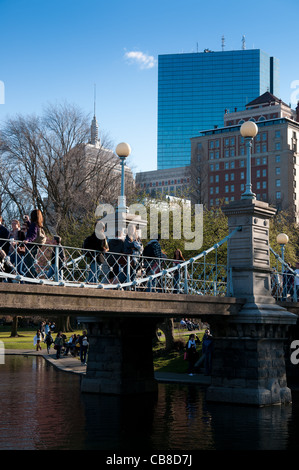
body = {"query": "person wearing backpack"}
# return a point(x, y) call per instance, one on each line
point(97, 243)
point(152, 256)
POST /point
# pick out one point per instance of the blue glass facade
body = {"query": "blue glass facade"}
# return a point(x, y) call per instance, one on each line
point(195, 89)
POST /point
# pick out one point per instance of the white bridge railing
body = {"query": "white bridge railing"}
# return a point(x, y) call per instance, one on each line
point(78, 267)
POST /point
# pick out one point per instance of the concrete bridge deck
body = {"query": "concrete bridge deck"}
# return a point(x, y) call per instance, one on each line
point(26, 299)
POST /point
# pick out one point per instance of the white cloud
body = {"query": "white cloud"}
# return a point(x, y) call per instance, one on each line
point(143, 60)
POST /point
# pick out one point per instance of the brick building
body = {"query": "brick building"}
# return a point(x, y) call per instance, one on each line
point(219, 156)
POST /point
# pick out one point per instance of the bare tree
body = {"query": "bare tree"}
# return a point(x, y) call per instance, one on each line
point(47, 163)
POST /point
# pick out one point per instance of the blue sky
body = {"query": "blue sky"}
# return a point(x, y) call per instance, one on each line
point(54, 51)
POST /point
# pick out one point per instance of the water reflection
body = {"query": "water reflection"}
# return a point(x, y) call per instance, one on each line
point(42, 408)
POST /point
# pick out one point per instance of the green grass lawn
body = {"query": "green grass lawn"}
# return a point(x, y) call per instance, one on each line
point(25, 338)
point(163, 362)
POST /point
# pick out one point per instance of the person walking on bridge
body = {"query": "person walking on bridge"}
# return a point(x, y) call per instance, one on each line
point(98, 245)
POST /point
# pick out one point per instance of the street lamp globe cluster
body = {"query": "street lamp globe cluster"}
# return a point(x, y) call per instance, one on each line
point(248, 130)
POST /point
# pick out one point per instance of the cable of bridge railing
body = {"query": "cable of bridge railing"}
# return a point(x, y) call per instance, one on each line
point(148, 279)
point(286, 277)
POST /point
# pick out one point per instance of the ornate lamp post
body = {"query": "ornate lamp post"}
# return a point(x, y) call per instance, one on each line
point(123, 150)
point(248, 130)
point(282, 239)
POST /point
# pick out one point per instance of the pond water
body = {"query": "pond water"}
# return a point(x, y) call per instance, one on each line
point(43, 409)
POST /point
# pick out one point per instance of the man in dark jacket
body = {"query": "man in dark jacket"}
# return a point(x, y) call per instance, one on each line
point(115, 259)
point(98, 245)
point(152, 260)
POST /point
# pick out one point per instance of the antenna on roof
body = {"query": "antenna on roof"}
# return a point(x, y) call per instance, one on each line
point(243, 43)
point(222, 43)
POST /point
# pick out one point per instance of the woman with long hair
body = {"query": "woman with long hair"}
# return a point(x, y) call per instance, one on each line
point(33, 237)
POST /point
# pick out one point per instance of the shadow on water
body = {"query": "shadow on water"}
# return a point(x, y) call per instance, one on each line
point(42, 408)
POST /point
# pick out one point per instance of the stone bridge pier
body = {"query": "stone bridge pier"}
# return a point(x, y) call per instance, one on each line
point(248, 359)
point(120, 360)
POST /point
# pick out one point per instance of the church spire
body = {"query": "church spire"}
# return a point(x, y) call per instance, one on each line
point(94, 130)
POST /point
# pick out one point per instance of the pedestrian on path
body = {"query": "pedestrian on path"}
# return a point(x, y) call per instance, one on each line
point(58, 343)
point(37, 340)
point(83, 347)
point(192, 354)
point(49, 340)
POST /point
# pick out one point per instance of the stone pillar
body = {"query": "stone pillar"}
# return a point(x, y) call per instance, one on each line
point(248, 357)
point(120, 360)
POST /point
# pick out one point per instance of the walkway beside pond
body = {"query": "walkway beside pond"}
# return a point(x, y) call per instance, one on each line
point(73, 365)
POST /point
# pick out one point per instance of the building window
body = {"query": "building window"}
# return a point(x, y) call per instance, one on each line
point(217, 143)
point(277, 134)
point(264, 160)
point(211, 179)
point(277, 159)
point(211, 155)
point(232, 152)
point(242, 163)
point(258, 148)
point(226, 177)
point(258, 161)
point(217, 166)
point(217, 154)
point(264, 184)
point(277, 146)
point(264, 136)
point(226, 189)
point(258, 185)
point(277, 183)
point(211, 144)
point(242, 151)
point(211, 202)
point(232, 164)
point(258, 173)
point(242, 187)
point(212, 167)
point(211, 190)
point(217, 179)
point(232, 188)
point(277, 170)
point(242, 175)
point(217, 190)
point(264, 148)
point(226, 153)
point(264, 172)
point(278, 195)
point(232, 177)
point(226, 166)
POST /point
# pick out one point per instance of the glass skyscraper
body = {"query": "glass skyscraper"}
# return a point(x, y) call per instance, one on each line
point(195, 89)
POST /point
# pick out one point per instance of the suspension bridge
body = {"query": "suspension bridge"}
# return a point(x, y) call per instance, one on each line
point(121, 298)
